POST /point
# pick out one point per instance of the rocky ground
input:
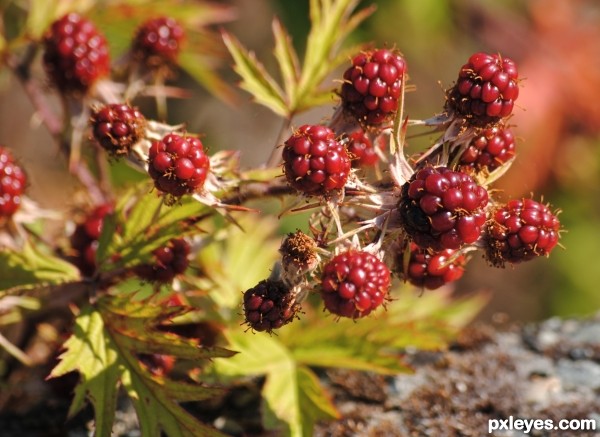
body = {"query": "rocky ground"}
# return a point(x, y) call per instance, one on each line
point(546, 371)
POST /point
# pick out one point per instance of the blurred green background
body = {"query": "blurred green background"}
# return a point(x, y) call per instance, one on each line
point(556, 44)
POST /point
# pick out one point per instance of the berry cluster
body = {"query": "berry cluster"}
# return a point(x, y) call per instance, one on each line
point(490, 149)
point(158, 41)
point(428, 269)
point(12, 183)
point(169, 261)
point(373, 85)
point(486, 89)
point(178, 164)
point(269, 305)
point(117, 127)
point(425, 214)
point(442, 209)
point(84, 239)
point(362, 152)
point(315, 162)
point(76, 54)
point(354, 283)
point(520, 231)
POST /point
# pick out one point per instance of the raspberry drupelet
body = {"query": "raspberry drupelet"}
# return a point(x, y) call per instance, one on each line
point(76, 54)
point(442, 209)
point(354, 283)
point(178, 165)
point(361, 150)
point(85, 238)
point(486, 89)
point(430, 269)
point(12, 184)
point(372, 86)
point(520, 231)
point(315, 162)
point(117, 127)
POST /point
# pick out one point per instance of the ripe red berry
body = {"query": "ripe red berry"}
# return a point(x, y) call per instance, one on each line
point(169, 261)
point(430, 269)
point(442, 209)
point(490, 149)
point(84, 239)
point(315, 163)
point(372, 86)
point(485, 90)
point(520, 231)
point(354, 283)
point(178, 164)
point(117, 127)
point(269, 305)
point(361, 150)
point(158, 41)
point(76, 54)
point(12, 184)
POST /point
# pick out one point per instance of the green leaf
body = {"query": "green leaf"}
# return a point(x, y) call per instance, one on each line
point(240, 260)
point(104, 351)
point(288, 61)
point(255, 78)
point(32, 268)
point(91, 352)
point(294, 400)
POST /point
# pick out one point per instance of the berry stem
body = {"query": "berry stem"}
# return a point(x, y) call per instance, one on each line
point(275, 157)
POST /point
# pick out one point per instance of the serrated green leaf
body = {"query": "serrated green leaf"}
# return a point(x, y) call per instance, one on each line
point(292, 393)
point(255, 79)
point(91, 353)
point(32, 268)
point(288, 61)
point(101, 351)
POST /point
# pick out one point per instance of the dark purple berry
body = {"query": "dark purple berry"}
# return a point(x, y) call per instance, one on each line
point(117, 127)
point(269, 305)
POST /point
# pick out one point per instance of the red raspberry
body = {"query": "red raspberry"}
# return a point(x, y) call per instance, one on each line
point(84, 240)
point(76, 54)
point(12, 184)
point(442, 209)
point(430, 269)
point(169, 261)
point(117, 127)
point(315, 163)
point(490, 149)
point(158, 41)
point(486, 89)
point(520, 231)
point(269, 305)
point(361, 150)
point(178, 164)
point(354, 283)
point(372, 86)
